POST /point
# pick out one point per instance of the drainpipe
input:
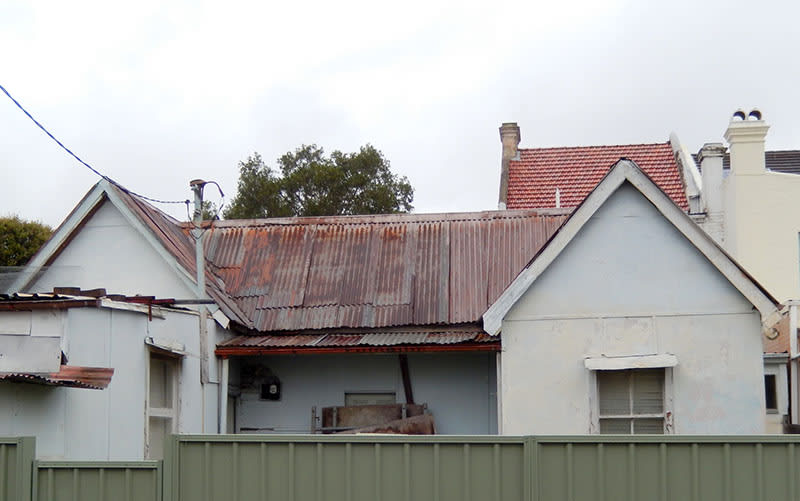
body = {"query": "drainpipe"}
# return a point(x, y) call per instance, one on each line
point(793, 363)
point(197, 186)
point(223, 397)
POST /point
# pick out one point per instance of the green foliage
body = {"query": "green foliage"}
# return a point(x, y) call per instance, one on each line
point(20, 239)
point(309, 183)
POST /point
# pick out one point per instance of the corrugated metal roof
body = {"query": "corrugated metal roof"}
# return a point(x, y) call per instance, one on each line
point(343, 338)
point(373, 271)
point(289, 274)
point(786, 161)
point(96, 378)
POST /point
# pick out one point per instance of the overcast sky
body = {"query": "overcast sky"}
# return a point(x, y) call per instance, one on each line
point(156, 93)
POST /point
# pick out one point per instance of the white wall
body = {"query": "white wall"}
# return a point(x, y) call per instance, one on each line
point(109, 253)
point(109, 424)
point(459, 389)
point(631, 284)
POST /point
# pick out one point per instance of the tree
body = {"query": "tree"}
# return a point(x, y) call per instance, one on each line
point(20, 239)
point(309, 183)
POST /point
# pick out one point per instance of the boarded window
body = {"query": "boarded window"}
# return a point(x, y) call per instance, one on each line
point(631, 401)
point(385, 398)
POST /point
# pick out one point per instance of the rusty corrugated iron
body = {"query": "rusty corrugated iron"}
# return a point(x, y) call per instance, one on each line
point(289, 274)
point(95, 378)
point(394, 337)
point(294, 274)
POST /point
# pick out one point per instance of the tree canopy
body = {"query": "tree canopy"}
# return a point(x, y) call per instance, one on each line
point(310, 183)
point(20, 239)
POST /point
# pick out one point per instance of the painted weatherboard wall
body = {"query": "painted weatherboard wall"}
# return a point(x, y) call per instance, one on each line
point(630, 284)
point(107, 252)
point(109, 424)
point(459, 389)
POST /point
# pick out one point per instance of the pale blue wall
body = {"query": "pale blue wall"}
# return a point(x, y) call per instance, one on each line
point(630, 284)
point(459, 389)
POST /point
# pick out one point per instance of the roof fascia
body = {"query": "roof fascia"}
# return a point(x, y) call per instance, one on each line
point(625, 170)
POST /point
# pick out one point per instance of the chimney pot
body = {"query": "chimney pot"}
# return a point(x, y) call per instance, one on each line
point(746, 139)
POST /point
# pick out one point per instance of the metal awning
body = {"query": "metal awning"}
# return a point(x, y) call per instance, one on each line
point(399, 340)
point(94, 378)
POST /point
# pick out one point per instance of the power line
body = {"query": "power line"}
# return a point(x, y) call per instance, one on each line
point(76, 157)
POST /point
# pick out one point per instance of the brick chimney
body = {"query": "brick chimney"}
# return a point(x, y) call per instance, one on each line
point(509, 137)
point(745, 135)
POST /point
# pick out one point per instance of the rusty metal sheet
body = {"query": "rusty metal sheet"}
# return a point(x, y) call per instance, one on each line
point(96, 378)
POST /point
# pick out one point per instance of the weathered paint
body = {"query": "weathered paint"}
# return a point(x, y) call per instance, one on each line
point(458, 388)
point(630, 284)
point(103, 337)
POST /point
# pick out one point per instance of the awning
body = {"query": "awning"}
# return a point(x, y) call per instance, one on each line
point(94, 378)
point(397, 340)
point(631, 362)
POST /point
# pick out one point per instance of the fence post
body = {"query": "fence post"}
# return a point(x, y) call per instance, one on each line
point(169, 471)
point(531, 468)
point(26, 454)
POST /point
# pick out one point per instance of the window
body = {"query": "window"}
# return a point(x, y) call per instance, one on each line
point(771, 392)
point(631, 401)
point(162, 403)
point(386, 398)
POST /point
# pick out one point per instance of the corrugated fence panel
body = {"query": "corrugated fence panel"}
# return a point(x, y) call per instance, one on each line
point(665, 468)
point(348, 468)
point(16, 456)
point(97, 481)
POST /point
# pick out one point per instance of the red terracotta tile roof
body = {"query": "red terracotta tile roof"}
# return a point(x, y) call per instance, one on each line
point(575, 171)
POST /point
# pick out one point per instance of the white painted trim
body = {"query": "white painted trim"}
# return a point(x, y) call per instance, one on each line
point(631, 362)
point(625, 170)
point(169, 345)
point(221, 319)
point(153, 311)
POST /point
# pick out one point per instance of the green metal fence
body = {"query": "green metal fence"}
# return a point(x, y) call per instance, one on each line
point(304, 468)
point(438, 468)
point(97, 480)
point(16, 457)
point(387, 468)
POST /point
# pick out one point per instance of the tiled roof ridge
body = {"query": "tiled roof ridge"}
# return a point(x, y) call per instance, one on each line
point(596, 146)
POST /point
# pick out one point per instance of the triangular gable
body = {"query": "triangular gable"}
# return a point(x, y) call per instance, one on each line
point(627, 171)
point(100, 193)
point(160, 231)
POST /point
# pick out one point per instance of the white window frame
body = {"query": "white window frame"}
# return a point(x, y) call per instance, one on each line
point(667, 415)
point(161, 412)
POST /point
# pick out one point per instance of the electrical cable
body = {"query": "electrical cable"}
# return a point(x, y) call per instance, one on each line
point(76, 157)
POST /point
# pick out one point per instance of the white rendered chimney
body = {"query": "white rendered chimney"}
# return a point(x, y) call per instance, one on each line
point(710, 158)
point(746, 135)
